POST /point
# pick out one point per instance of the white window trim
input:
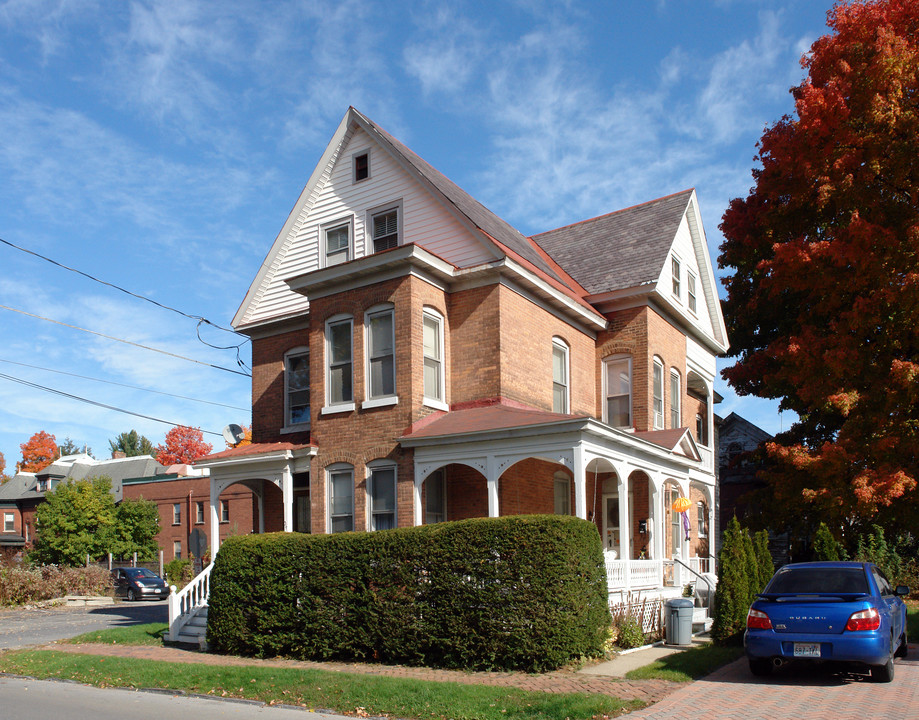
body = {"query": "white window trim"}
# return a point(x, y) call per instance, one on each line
point(657, 419)
point(381, 400)
point(324, 228)
point(199, 512)
point(354, 156)
point(175, 514)
point(438, 404)
point(224, 509)
point(677, 402)
point(605, 383)
point(177, 549)
point(289, 426)
point(369, 247)
point(381, 465)
point(676, 277)
point(347, 405)
point(703, 513)
point(691, 297)
point(338, 467)
point(558, 343)
point(9, 522)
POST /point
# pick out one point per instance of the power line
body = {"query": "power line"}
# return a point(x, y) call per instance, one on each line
point(126, 342)
point(199, 318)
point(132, 387)
point(98, 404)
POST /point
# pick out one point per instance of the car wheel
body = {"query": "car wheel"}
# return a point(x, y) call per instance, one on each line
point(760, 666)
point(132, 596)
point(883, 673)
point(903, 649)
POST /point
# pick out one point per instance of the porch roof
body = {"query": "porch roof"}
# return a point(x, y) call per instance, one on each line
point(677, 440)
point(253, 450)
point(482, 420)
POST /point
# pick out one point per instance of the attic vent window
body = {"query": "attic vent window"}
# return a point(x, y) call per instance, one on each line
point(385, 230)
point(361, 167)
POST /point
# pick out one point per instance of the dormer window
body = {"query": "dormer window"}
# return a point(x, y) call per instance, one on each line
point(361, 166)
point(385, 228)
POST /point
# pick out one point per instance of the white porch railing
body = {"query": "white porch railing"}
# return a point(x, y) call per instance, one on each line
point(183, 604)
point(701, 564)
point(626, 575)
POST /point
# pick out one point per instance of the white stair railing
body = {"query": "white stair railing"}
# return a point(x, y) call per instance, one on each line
point(184, 604)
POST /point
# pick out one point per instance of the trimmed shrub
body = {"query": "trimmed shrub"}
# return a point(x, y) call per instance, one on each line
point(21, 584)
point(732, 595)
point(517, 593)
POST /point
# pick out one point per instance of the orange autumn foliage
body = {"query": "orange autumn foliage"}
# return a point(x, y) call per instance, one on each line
point(38, 452)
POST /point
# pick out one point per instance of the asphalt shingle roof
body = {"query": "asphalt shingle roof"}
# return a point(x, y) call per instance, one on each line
point(624, 249)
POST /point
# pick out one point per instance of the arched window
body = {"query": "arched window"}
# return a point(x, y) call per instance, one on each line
point(341, 497)
point(657, 392)
point(676, 399)
point(297, 387)
point(559, 376)
point(433, 342)
point(381, 495)
point(617, 388)
point(381, 354)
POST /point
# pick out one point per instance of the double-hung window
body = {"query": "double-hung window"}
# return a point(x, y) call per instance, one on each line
point(675, 275)
point(224, 511)
point(177, 513)
point(177, 549)
point(559, 376)
point(382, 492)
point(297, 380)
point(691, 291)
point(385, 228)
point(618, 381)
point(381, 358)
point(339, 361)
point(562, 489)
point(657, 393)
point(433, 342)
point(341, 498)
point(336, 243)
point(676, 399)
point(702, 519)
point(435, 498)
point(9, 522)
point(199, 512)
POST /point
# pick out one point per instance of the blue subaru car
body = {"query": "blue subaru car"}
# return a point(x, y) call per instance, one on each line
point(840, 612)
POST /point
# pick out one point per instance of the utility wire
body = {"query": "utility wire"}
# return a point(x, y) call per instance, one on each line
point(199, 318)
point(98, 404)
point(126, 342)
point(132, 387)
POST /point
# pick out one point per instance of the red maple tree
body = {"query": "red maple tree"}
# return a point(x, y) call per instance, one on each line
point(38, 452)
point(823, 298)
point(183, 445)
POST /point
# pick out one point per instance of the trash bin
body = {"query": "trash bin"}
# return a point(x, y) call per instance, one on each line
point(679, 621)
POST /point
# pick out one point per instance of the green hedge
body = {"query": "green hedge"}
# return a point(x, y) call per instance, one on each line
point(524, 593)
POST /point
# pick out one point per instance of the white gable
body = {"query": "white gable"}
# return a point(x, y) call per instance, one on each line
point(691, 251)
point(333, 197)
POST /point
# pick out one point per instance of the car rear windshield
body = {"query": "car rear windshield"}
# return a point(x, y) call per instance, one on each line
point(810, 581)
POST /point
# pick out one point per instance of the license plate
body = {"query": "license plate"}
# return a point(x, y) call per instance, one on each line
point(807, 650)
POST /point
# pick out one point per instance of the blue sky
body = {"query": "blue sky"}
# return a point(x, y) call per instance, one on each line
point(160, 146)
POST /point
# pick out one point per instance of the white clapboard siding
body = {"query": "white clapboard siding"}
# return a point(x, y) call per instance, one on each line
point(425, 221)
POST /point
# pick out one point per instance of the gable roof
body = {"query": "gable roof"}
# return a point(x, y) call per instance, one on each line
point(633, 242)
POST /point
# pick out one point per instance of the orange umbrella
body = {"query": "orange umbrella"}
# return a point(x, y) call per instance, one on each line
point(681, 504)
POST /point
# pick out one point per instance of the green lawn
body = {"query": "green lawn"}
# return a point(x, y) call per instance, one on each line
point(687, 665)
point(341, 692)
point(149, 634)
point(912, 620)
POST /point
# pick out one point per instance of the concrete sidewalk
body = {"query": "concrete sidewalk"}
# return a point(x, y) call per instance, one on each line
point(633, 659)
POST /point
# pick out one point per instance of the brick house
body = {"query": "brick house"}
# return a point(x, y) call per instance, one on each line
point(417, 359)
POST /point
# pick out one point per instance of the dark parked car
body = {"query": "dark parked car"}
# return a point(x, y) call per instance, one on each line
point(843, 612)
point(136, 583)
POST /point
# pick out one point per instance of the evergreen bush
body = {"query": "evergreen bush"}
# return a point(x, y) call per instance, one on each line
point(764, 564)
point(732, 595)
point(515, 593)
point(826, 546)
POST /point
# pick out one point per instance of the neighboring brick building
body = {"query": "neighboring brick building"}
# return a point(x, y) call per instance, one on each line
point(416, 359)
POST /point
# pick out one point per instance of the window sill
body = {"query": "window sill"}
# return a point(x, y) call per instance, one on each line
point(287, 429)
point(343, 408)
point(380, 402)
point(436, 404)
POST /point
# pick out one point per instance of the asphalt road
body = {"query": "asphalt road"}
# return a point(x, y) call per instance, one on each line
point(22, 628)
point(44, 700)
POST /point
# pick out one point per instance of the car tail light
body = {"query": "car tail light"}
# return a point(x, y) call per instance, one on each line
point(758, 620)
point(868, 619)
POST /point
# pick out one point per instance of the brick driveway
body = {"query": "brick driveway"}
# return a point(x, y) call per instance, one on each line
point(732, 692)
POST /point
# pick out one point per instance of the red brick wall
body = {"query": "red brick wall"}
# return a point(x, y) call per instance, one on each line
point(268, 386)
point(475, 357)
point(187, 492)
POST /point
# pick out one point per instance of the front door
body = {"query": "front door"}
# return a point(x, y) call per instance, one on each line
point(612, 533)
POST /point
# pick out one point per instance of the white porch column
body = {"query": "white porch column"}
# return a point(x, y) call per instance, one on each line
point(416, 499)
point(580, 482)
point(655, 526)
point(493, 509)
point(215, 518)
point(287, 491)
point(625, 527)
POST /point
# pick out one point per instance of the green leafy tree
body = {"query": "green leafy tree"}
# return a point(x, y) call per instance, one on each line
point(137, 524)
point(826, 547)
point(69, 447)
point(76, 519)
point(732, 594)
point(764, 564)
point(873, 547)
point(822, 299)
point(132, 444)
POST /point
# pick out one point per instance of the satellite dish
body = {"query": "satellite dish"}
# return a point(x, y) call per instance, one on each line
point(233, 433)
